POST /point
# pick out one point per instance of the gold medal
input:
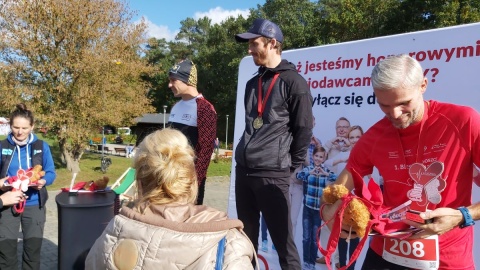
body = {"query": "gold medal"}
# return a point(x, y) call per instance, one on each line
point(257, 123)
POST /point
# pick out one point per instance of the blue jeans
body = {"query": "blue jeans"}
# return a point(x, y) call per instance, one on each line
point(311, 223)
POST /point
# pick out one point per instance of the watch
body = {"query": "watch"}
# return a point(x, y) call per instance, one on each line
point(466, 215)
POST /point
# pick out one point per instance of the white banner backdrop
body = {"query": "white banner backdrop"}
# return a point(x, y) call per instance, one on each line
point(339, 78)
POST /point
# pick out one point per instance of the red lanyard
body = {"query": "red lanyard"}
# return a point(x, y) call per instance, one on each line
point(261, 102)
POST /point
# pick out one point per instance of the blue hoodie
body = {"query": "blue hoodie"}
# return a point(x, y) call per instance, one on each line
point(21, 159)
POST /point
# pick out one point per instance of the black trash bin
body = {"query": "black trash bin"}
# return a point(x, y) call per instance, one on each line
point(81, 220)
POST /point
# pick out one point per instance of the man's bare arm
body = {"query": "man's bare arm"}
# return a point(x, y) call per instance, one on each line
point(345, 178)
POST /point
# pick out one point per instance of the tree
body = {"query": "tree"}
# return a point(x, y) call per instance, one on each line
point(76, 63)
point(345, 20)
point(158, 54)
point(414, 15)
point(297, 19)
point(218, 60)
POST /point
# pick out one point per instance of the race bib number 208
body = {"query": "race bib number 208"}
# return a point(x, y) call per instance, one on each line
point(412, 253)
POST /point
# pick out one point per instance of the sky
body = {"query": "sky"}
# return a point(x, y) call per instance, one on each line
point(163, 17)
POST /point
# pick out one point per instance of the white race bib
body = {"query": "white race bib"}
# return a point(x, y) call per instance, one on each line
point(412, 253)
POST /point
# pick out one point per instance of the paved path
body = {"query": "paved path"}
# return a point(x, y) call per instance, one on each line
point(216, 195)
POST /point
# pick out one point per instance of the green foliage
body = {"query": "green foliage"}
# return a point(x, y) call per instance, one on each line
point(414, 15)
point(347, 20)
point(297, 19)
point(159, 55)
point(218, 61)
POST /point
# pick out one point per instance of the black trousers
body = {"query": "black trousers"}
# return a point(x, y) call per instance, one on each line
point(201, 192)
point(33, 223)
point(269, 196)
point(345, 249)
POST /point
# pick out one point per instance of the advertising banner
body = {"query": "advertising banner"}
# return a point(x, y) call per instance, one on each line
point(339, 80)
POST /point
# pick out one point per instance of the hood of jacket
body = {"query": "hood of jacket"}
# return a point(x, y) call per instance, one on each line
point(31, 138)
point(170, 237)
point(21, 154)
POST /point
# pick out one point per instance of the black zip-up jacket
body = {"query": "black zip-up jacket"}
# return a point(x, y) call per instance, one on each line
point(280, 145)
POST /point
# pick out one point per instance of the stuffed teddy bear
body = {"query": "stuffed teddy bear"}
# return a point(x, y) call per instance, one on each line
point(37, 174)
point(356, 214)
point(99, 184)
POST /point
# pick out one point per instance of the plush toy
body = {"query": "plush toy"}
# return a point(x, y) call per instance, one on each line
point(99, 184)
point(356, 214)
point(362, 211)
point(23, 180)
point(37, 174)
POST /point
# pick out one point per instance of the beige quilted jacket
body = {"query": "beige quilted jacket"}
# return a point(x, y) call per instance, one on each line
point(170, 237)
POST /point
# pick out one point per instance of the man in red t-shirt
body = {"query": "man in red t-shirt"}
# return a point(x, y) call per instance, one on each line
point(420, 134)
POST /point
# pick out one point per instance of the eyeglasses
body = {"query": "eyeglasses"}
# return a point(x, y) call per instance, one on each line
point(344, 127)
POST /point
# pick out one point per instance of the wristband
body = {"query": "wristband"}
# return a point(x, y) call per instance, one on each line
point(466, 215)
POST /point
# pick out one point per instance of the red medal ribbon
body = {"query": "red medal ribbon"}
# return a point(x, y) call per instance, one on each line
point(261, 102)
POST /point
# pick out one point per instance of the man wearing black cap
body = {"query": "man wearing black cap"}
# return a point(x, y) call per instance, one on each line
point(194, 116)
point(278, 128)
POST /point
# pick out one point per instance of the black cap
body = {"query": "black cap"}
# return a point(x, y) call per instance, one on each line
point(185, 71)
point(261, 28)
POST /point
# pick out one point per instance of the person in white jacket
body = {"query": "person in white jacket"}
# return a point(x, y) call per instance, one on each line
point(165, 229)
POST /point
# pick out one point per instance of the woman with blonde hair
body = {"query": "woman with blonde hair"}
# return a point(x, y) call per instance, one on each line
point(165, 229)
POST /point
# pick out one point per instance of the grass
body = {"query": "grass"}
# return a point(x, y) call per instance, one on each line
point(220, 167)
point(90, 167)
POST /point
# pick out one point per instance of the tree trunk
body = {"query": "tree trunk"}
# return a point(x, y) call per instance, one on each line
point(72, 163)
